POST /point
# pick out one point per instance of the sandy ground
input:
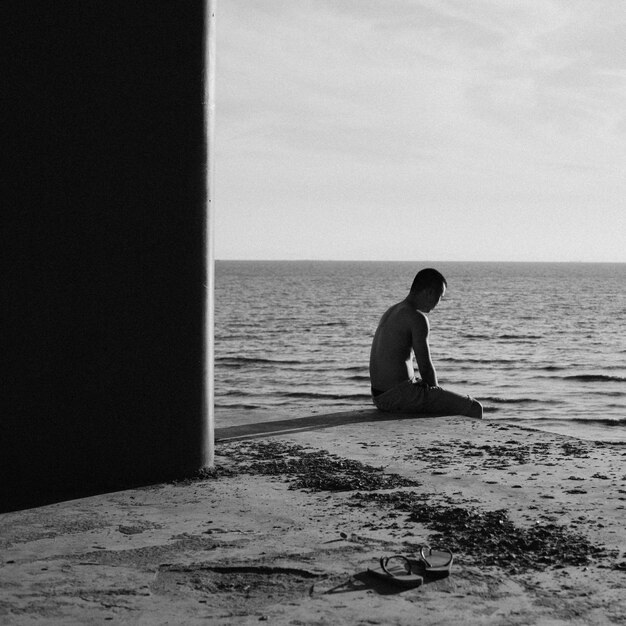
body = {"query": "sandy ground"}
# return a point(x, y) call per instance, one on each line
point(245, 544)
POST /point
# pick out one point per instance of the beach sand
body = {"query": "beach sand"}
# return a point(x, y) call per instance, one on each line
point(284, 529)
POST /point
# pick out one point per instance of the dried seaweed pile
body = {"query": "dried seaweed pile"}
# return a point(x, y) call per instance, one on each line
point(318, 470)
point(578, 449)
point(490, 537)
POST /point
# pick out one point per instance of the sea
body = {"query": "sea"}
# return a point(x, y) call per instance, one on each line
point(542, 345)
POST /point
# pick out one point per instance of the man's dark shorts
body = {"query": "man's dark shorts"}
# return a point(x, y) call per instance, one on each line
point(417, 397)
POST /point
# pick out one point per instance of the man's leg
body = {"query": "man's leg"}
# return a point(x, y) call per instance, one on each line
point(406, 397)
point(420, 399)
point(438, 401)
point(476, 410)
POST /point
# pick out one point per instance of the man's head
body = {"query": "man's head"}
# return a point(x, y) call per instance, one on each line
point(427, 289)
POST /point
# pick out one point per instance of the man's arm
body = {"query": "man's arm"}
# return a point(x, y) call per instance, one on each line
point(419, 335)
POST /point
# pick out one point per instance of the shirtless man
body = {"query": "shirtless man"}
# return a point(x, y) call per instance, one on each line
point(402, 332)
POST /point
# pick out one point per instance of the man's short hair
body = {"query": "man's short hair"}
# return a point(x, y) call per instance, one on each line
point(428, 279)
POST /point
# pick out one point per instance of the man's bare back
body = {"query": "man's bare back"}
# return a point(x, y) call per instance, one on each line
point(391, 356)
point(403, 332)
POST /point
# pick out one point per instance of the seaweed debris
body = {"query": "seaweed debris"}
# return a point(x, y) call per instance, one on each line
point(205, 473)
point(578, 449)
point(487, 455)
point(316, 470)
point(218, 471)
point(490, 538)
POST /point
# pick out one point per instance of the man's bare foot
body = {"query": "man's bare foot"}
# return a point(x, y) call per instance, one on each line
point(476, 410)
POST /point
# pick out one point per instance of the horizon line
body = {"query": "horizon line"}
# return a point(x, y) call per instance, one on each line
point(265, 260)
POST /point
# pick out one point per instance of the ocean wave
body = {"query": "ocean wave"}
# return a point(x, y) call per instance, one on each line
point(451, 359)
point(589, 421)
point(491, 409)
point(519, 337)
point(247, 360)
point(359, 377)
point(312, 395)
point(596, 378)
point(500, 400)
point(247, 407)
point(517, 341)
point(236, 392)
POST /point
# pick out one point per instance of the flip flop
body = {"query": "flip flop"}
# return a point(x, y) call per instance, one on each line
point(436, 562)
point(397, 569)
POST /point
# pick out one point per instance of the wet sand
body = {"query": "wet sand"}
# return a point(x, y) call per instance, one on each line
point(285, 527)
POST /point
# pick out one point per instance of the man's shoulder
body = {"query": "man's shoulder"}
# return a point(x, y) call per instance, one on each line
point(404, 313)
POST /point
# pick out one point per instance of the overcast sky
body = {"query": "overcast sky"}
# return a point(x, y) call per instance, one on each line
point(444, 130)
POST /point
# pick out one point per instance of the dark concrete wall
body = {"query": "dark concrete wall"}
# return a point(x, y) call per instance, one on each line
point(102, 245)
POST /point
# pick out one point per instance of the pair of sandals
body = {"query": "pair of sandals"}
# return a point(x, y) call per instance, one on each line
point(401, 570)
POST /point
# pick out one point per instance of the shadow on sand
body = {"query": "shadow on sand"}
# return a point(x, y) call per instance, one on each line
point(303, 424)
point(28, 498)
point(365, 580)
